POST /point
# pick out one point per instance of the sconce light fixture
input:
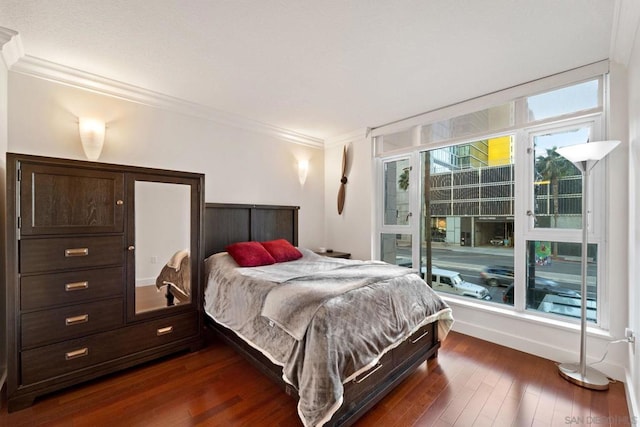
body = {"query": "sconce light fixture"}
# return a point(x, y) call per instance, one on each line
point(303, 169)
point(92, 136)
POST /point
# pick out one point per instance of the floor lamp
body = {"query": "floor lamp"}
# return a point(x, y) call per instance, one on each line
point(585, 157)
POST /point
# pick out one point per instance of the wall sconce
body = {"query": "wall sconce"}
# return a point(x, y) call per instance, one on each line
point(92, 136)
point(303, 169)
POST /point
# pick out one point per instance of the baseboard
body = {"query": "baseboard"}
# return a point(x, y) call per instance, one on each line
point(526, 345)
point(632, 400)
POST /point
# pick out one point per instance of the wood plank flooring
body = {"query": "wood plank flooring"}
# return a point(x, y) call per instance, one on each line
point(471, 383)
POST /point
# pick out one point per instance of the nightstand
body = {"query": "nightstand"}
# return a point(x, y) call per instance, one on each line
point(335, 254)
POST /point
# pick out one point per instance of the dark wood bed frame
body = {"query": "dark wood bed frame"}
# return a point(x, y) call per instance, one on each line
point(230, 223)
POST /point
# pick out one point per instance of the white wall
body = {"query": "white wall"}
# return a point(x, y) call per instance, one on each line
point(240, 166)
point(351, 231)
point(633, 352)
point(617, 233)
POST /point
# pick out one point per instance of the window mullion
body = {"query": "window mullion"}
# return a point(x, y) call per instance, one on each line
point(522, 174)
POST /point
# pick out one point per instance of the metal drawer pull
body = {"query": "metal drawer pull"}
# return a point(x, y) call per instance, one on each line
point(420, 337)
point(69, 321)
point(77, 353)
point(76, 252)
point(164, 331)
point(76, 286)
point(373, 371)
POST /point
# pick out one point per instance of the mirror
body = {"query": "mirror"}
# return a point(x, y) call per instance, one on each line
point(162, 245)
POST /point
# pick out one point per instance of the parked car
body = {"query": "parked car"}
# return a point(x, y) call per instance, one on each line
point(497, 241)
point(541, 288)
point(497, 275)
point(451, 282)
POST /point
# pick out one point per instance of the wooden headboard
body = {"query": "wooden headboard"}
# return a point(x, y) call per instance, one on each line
point(229, 223)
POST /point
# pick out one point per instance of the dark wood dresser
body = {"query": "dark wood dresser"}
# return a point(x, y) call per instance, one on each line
point(78, 236)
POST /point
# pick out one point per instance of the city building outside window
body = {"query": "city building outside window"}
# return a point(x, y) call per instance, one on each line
point(486, 209)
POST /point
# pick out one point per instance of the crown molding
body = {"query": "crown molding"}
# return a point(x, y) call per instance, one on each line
point(11, 46)
point(57, 73)
point(347, 137)
point(626, 24)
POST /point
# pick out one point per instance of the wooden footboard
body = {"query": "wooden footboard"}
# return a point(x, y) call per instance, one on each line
point(367, 389)
point(363, 392)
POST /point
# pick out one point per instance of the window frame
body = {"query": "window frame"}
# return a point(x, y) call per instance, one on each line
point(524, 230)
point(413, 222)
point(597, 220)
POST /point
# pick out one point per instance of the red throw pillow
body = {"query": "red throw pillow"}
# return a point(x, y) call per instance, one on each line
point(281, 250)
point(250, 254)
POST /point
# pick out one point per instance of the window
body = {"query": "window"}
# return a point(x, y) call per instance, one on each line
point(396, 237)
point(471, 209)
point(553, 281)
point(559, 102)
point(396, 194)
point(497, 216)
point(557, 183)
point(479, 122)
point(552, 274)
point(399, 140)
point(396, 249)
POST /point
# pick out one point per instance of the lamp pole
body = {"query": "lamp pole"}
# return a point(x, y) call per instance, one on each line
point(585, 157)
point(583, 272)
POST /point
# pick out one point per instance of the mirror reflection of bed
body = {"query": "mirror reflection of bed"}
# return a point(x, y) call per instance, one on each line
point(162, 232)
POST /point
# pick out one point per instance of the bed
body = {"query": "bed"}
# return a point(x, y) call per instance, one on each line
point(175, 275)
point(314, 356)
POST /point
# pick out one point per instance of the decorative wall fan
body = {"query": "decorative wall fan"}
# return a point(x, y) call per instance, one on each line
point(343, 181)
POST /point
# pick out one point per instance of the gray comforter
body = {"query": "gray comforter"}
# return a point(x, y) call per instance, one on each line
point(350, 321)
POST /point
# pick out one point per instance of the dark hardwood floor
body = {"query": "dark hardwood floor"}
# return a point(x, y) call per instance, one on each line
point(471, 383)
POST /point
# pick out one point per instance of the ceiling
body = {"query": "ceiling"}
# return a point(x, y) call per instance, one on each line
point(319, 68)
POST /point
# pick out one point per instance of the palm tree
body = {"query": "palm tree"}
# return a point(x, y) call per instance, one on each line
point(403, 179)
point(552, 167)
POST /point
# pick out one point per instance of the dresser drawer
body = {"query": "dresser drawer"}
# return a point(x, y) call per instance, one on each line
point(161, 331)
point(41, 255)
point(47, 362)
point(49, 290)
point(418, 343)
point(63, 358)
point(49, 326)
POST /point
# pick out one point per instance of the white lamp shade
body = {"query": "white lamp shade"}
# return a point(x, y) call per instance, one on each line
point(590, 151)
point(92, 136)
